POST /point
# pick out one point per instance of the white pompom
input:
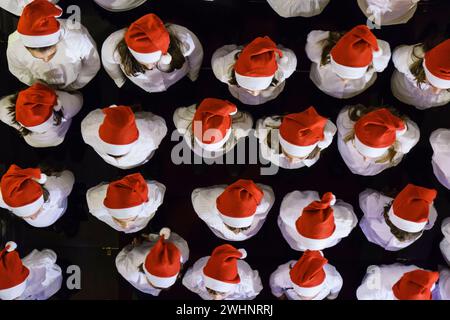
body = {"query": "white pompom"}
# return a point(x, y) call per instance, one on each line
point(165, 232)
point(284, 59)
point(166, 58)
point(243, 253)
point(10, 246)
point(333, 200)
point(402, 132)
point(378, 53)
point(42, 179)
point(234, 112)
point(113, 106)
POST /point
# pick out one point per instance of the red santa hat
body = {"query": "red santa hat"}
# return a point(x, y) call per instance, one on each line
point(38, 26)
point(212, 123)
point(416, 285)
point(13, 274)
point(148, 40)
point(238, 203)
point(118, 132)
point(377, 131)
point(257, 64)
point(411, 208)
point(163, 262)
point(316, 226)
point(307, 275)
point(354, 52)
point(34, 107)
point(22, 191)
point(301, 132)
point(125, 198)
point(221, 272)
point(437, 65)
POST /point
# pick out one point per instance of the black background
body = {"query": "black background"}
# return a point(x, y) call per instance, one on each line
point(79, 238)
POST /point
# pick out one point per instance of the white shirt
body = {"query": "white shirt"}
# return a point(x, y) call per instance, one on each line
point(388, 12)
point(16, 6)
point(291, 209)
point(445, 243)
point(204, 202)
point(404, 85)
point(356, 162)
point(224, 59)
point(45, 278)
point(249, 287)
point(242, 123)
point(374, 225)
point(444, 285)
point(440, 142)
point(152, 129)
point(267, 131)
point(75, 63)
point(328, 81)
point(154, 80)
point(130, 259)
point(59, 187)
point(96, 195)
point(298, 8)
point(280, 283)
point(70, 103)
point(119, 5)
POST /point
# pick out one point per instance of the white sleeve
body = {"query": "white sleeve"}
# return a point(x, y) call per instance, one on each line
point(71, 103)
point(445, 228)
point(369, 288)
point(222, 61)
point(401, 58)
point(314, 45)
point(380, 63)
point(277, 280)
point(345, 219)
point(195, 56)
point(15, 66)
point(5, 116)
point(336, 282)
point(329, 132)
point(409, 139)
point(64, 182)
point(111, 66)
point(288, 63)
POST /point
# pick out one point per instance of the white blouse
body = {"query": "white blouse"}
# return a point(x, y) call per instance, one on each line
point(388, 12)
point(119, 5)
point(298, 8)
point(440, 142)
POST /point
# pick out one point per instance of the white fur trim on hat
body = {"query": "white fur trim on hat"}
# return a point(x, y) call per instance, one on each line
point(307, 292)
point(333, 200)
point(236, 222)
point(29, 209)
point(151, 57)
point(165, 232)
point(40, 41)
point(126, 213)
point(217, 285)
point(43, 127)
point(10, 246)
point(294, 150)
point(14, 292)
point(42, 179)
point(405, 225)
point(314, 244)
point(253, 83)
point(117, 149)
point(435, 81)
point(213, 146)
point(369, 151)
point(161, 282)
point(346, 72)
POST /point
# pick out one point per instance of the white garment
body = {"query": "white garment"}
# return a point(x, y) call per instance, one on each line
point(379, 280)
point(152, 129)
point(445, 243)
point(298, 8)
point(267, 131)
point(154, 80)
point(75, 63)
point(404, 85)
point(356, 162)
point(45, 276)
point(444, 285)
point(329, 82)
point(224, 59)
point(130, 259)
point(59, 187)
point(374, 225)
point(119, 5)
point(16, 6)
point(291, 209)
point(280, 283)
point(249, 287)
point(204, 202)
point(97, 194)
point(183, 117)
point(440, 142)
point(70, 103)
point(388, 12)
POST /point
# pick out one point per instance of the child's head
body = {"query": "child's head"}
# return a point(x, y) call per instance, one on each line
point(401, 235)
point(45, 53)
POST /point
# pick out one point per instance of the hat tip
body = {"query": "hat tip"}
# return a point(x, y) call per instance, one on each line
point(165, 232)
point(243, 253)
point(10, 246)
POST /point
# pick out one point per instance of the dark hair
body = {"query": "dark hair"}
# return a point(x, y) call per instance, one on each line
point(236, 229)
point(401, 235)
point(328, 44)
point(42, 49)
point(132, 67)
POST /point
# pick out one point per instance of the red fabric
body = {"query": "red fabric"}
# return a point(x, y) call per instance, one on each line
point(222, 265)
point(304, 128)
point(148, 34)
point(415, 285)
point(258, 59)
point(35, 105)
point(378, 129)
point(317, 219)
point(163, 260)
point(212, 118)
point(127, 192)
point(240, 199)
point(119, 126)
point(39, 19)
point(413, 203)
point(437, 60)
point(12, 271)
point(355, 48)
point(308, 271)
point(19, 187)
